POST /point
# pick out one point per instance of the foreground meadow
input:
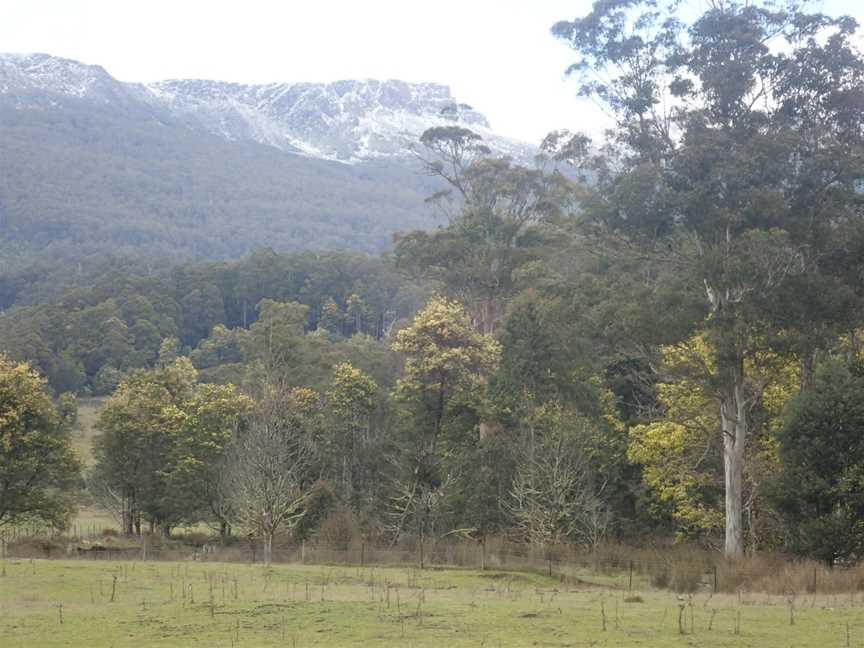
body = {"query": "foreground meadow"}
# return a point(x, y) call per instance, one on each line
point(95, 603)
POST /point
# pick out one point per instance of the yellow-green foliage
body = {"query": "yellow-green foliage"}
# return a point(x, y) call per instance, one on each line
point(163, 437)
point(351, 391)
point(203, 425)
point(23, 400)
point(444, 354)
point(608, 411)
point(38, 466)
point(679, 451)
point(672, 449)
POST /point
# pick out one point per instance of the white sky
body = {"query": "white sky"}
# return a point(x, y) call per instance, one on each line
point(496, 55)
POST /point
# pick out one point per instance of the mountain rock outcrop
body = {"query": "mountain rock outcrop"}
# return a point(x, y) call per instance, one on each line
point(345, 121)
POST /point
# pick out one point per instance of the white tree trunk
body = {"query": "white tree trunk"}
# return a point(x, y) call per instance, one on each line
point(733, 423)
point(268, 548)
point(733, 418)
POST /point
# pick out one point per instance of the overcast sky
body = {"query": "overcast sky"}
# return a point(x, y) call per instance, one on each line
point(496, 55)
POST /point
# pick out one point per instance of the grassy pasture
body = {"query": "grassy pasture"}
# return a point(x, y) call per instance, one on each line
point(90, 519)
point(222, 604)
point(85, 428)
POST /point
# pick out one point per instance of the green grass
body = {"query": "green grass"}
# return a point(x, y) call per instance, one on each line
point(298, 606)
point(90, 519)
point(85, 428)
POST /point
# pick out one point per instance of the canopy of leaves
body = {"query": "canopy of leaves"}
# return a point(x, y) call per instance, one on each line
point(820, 488)
point(38, 468)
point(446, 358)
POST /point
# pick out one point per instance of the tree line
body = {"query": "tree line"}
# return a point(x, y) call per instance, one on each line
point(119, 318)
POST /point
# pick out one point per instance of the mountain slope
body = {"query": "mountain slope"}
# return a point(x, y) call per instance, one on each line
point(180, 170)
point(81, 176)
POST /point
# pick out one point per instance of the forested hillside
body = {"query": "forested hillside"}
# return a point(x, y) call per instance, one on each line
point(119, 321)
point(84, 182)
point(81, 178)
point(652, 338)
point(94, 170)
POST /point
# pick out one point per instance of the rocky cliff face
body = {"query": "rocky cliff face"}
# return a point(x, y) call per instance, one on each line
point(347, 121)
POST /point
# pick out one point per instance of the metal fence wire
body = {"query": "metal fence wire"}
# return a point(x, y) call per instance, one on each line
point(614, 566)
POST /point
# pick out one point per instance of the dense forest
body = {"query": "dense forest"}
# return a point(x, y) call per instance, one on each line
point(654, 337)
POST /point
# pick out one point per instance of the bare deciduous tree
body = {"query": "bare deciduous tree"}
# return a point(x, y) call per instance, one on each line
point(554, 498)
point(265, 480)
point(119, 504)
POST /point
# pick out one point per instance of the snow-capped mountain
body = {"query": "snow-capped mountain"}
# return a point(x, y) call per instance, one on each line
point(28, 73)
point(347, 121)
point(38, 80)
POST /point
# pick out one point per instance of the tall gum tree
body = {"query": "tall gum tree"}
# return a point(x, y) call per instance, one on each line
point(497, 210)
point(736, 158)
point(447, 366)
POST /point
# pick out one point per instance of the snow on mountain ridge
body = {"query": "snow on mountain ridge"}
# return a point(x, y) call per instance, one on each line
point(45, 72)
point(348, 121)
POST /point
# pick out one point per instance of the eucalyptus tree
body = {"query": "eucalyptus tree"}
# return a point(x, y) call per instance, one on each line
point(442, 394)
point(135, 446)
point(736, 159)
point(351, 401)
point(162, 445)
point(495, 208)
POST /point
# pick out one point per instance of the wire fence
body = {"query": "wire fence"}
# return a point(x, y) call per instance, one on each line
point(616, 566)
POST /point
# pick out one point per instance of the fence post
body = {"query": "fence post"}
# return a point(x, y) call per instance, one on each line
point(715, 579)
point(303, 551)
point(630, 577)
point(362, 554)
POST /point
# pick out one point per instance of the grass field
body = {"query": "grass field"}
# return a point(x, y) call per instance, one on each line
point(85, 428)
point(68, 603)
point(90, 519)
